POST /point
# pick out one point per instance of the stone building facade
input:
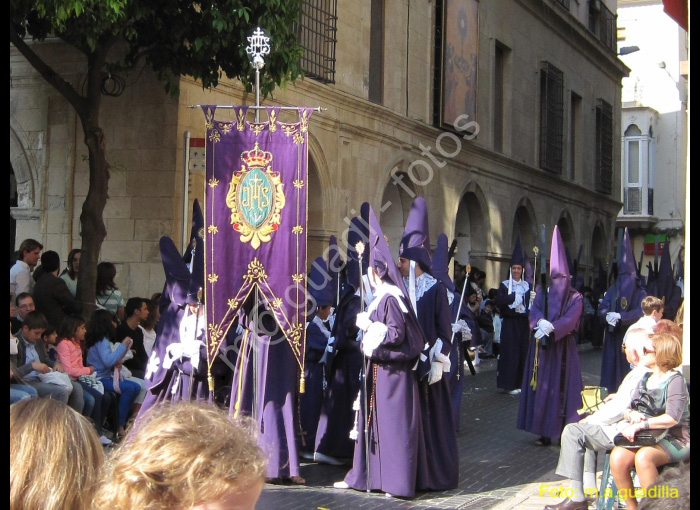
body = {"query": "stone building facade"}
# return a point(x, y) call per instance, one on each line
point(543, 91)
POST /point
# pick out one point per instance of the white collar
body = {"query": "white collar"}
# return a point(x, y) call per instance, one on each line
point(383, 290)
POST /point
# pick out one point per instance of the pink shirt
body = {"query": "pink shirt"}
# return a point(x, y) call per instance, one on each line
point(72, 358)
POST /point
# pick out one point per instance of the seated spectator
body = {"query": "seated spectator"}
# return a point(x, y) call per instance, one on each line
point(32, 360)
point(184, 456)
point(55, 457)
point(25, 304)
point(70, 273)
point(148, 326)
point(580, 441)
point(136, 311)
point(71, 337)
point(21, 273)
point(107, 362)
point(666, 392)
point(51, 295)
point(107, 295)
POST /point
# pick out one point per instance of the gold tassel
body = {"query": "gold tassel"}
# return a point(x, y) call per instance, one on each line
point(533, 382)
point(210, 379)
point(302, 385)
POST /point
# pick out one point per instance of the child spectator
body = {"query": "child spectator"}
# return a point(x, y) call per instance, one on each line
point(107, 362)
point(70, 352)
point(653, 310)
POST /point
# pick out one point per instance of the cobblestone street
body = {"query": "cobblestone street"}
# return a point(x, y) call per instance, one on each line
point(500, 466)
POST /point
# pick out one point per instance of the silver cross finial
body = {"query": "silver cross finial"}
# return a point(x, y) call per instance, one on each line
point(259, 46)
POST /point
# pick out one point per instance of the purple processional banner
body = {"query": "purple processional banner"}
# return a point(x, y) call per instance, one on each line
point(255, 222)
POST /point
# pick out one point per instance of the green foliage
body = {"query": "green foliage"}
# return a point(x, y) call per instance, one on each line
point(205, 40)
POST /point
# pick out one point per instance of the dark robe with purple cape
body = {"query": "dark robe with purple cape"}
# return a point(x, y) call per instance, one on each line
point(515, 337)
point(337, 416)
point(546, 410)
point(277, 384)
point(394, 421)
point(438, 457)
point(615, 365)
point(457, 355)
point(311, 401)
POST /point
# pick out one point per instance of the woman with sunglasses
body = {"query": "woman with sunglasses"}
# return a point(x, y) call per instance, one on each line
point(665, 395)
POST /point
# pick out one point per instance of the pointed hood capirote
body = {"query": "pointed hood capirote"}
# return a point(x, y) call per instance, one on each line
point(196, 230)
point(320, 283)
point(560, 284)
point(380, 257)
point(415, 243)
point(357, 231)
point(518, 258)
point(177, 277)
point(627, 283)
point(440, 268)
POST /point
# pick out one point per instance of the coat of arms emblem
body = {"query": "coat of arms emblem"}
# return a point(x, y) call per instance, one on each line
point(256, 198)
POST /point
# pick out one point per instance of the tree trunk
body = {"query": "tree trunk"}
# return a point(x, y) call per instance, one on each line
point(92, 226)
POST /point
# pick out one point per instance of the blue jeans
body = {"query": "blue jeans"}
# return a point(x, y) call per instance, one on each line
point(130, 391)
point(20, 392)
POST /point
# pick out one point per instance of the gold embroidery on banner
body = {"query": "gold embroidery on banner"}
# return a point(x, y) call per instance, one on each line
point(213, 183)
point(298, 229)
point(277, 302)
point(273, 121)
point(289, 129)
point(299, 139)
point(256, 198)
point(232, 303)
point(298, 184)
point(256, 272)
point(623, 303)
point(209, 124)
point(240, 122)
point(304, 121)
point(214, 136)
point(257, 128)
point(297, 277)
point(214, 333)
point(213, 229)
point(226, 127)
point(212, 277)
point(294, 334)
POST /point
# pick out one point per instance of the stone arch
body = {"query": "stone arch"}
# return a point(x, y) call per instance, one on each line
point(21, 164)
point(566, 229)
point(318, 191)
point(599, 246)
point(395, 204)
point(525, 224)
point(472, 226)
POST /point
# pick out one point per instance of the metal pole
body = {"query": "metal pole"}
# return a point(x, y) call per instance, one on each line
point(184, 240)
point(360, 248)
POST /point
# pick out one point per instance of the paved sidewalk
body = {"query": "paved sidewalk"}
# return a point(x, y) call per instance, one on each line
point(500, 466)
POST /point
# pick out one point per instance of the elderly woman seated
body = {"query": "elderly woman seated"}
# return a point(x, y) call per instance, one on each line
point(659, 404)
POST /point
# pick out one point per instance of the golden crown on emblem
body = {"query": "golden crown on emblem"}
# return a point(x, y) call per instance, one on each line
point(256, 158)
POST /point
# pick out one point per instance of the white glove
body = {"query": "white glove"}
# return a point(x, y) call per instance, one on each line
point(435, 372)
point(456, 327)
point(612, 318)
point(539, 333)
point(375, 335)
point(362, 321)
point(533, 295)
point(546, 327)
point(463, 327)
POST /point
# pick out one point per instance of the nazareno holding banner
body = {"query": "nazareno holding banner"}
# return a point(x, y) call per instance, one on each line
point(255, 265)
